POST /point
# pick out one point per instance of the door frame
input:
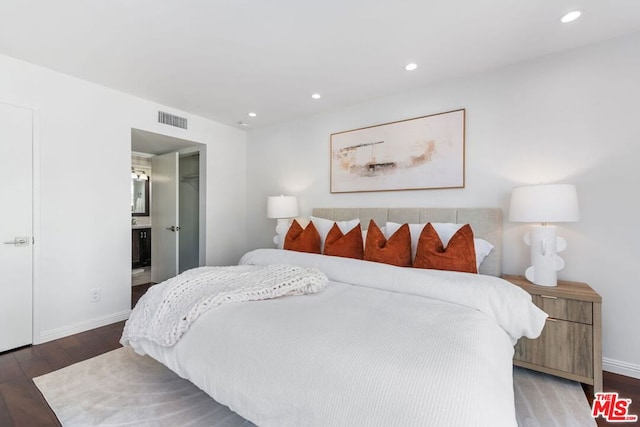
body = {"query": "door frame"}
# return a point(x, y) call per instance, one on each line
point(37, 298)
point(201, 148)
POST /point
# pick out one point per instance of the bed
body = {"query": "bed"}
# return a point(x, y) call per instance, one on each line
point(379, 346)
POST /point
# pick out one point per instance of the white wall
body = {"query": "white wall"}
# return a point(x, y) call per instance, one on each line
point(569, 118)
point(83, 225)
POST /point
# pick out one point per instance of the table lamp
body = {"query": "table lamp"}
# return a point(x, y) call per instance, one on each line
point(282, 208)
point(544, 204)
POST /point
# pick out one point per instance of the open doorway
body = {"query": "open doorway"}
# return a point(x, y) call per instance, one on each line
point(189, 211)
point(171, 234)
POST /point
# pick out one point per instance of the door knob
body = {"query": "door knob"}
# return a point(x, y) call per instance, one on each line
point(18, 241)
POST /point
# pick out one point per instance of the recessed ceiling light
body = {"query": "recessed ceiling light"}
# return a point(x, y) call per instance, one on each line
point(316, 96)
point(411, 66)
point(252, 114)
point(243, 124)
point(571, 16)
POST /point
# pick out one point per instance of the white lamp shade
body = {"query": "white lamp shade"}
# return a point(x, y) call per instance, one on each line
point(544, 203)
point(282, 207)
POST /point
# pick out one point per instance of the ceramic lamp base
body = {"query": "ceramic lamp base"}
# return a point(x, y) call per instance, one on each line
point(545, 263)
point(281, 230)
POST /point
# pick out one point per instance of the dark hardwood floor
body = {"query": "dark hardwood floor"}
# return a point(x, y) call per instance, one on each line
point(138, 291)
point(21, 404)
point(627, 387)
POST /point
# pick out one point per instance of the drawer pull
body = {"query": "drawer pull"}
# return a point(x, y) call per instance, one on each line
point(548, 297)
point(551, 319)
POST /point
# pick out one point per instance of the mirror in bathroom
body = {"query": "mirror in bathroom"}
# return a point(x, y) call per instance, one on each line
point(139, 197)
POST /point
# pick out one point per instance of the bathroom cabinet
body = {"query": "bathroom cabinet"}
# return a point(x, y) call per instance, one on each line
point(140, 247)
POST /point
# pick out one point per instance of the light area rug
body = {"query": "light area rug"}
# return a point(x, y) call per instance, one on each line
point(121, 388)
point(546, 401)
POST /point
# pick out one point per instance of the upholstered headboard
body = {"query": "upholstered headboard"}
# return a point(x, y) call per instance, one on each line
point(485, 222)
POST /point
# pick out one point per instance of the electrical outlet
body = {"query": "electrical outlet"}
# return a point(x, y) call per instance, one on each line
point(95, 295)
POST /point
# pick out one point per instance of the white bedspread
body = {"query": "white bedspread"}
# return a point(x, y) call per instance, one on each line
point(379, 346)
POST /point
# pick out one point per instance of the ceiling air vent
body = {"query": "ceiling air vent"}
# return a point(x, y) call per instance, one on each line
point(171, 120)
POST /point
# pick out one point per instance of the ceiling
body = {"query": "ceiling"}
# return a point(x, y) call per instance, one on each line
point(222, 59)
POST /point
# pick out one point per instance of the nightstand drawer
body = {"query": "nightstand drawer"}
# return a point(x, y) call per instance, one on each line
point(572, 345)
point(565, 309)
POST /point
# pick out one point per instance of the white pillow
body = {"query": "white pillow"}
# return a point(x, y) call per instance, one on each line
point(302, 221)
point(445, 231)
point(324, 226)
point(483, 248)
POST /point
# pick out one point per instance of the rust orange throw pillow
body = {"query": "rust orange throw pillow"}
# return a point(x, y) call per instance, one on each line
point(395, 251)
point(302, 240)
point(345, 245)
point(459, 255)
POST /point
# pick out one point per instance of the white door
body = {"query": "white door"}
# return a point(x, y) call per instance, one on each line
point(16, 225)
point(164, 217)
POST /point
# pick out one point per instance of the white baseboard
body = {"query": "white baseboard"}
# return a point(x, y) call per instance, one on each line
point(65, 331)
point(620, 367)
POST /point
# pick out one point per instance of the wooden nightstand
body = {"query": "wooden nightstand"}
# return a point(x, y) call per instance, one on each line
point(571, 342)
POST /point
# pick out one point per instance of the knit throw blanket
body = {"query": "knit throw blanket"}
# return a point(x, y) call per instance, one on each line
point(167, 310)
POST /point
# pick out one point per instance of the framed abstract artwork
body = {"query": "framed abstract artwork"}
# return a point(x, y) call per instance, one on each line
point(414, 154)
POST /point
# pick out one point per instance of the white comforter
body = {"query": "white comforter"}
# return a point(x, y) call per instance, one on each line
point(380, 346)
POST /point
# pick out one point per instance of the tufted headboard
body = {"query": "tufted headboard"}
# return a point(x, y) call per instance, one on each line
point(485, 222)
